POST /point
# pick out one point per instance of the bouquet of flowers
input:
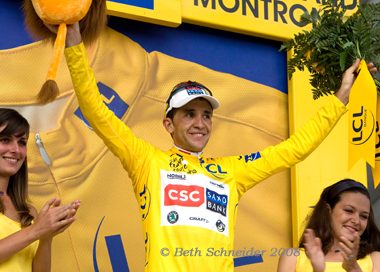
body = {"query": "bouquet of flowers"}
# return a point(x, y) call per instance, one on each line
point(333, 43)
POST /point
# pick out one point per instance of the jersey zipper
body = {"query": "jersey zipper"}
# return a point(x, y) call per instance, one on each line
point(42, 150)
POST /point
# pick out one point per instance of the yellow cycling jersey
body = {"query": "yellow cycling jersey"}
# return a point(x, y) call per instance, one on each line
point(21, 261)
point(188, 203)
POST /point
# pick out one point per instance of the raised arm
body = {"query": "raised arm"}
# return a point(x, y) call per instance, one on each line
point(306, 139)
point(118, 137)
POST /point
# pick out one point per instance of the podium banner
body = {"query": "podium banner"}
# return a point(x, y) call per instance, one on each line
point(362, 118)
point(376, 172)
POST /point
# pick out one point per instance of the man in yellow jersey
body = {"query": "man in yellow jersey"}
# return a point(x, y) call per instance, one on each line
point(188, 203)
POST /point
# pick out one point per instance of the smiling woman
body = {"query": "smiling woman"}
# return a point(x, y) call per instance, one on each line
point(14, 131)
point(340, 235)
point(25, 236)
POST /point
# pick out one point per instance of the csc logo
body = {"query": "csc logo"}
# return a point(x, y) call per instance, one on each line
point(181, 195)
point(363, 125)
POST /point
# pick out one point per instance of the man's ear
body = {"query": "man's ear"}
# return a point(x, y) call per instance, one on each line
point(168, 124)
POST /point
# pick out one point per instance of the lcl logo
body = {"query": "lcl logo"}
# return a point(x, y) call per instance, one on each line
point(363, 125)
point(215, 170)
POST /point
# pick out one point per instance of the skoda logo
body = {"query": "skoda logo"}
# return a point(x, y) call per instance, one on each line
point(172, 217)
point(220, 226)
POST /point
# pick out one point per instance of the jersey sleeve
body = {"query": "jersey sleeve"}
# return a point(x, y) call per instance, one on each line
point(118, 137)
point(255, 167)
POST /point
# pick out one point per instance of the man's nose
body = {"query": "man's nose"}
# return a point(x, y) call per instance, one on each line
point(199, 121)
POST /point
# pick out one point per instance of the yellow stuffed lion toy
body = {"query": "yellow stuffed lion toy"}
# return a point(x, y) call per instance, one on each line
point(92, 18)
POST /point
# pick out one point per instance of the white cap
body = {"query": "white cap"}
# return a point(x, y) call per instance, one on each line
point(184, 92)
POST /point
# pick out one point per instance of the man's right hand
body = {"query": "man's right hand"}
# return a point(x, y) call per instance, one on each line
point(73, 36)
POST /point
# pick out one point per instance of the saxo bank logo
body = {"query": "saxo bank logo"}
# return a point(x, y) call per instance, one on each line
point(363, 125)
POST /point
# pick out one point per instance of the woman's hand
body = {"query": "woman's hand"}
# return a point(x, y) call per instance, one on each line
point(54, 218)
point(349, 251)
point(313, 249)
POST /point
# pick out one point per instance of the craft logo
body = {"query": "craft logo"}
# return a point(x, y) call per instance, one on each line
point(215, 170)
point(216, 202)
point(220, 226)
point(199, 219)
point(182, 195)
point(172, 217)
point(363, 126)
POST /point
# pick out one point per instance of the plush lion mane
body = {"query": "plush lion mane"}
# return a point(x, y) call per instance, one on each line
point(91, 25)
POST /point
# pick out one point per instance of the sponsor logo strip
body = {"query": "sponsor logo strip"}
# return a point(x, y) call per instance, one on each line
point(194, 200)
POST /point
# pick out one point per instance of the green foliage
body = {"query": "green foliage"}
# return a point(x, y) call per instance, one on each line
point(333, 44)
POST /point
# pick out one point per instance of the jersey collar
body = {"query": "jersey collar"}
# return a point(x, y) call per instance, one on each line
point(195, 154)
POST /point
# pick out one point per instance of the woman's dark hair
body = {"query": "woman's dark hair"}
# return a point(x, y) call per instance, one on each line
point(15, 124)
point(320, 219)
